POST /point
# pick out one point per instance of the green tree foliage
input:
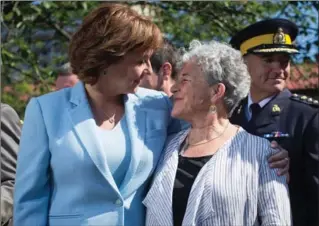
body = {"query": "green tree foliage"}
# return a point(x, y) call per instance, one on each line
point(34, 43)
point(35, 35)
point(219, 20)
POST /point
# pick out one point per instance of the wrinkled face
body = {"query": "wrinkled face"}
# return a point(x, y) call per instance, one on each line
point(152, 80)
point(269, 72)
point(125, 76)
point(191, 92)
point(66, 81)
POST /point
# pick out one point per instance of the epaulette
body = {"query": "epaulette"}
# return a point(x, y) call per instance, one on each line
point(305, 99)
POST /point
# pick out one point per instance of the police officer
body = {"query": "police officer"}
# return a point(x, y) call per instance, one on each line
point(271, 111)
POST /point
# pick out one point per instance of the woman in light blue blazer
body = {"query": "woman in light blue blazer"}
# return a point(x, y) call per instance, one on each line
point(87, 152)
point(215, 173)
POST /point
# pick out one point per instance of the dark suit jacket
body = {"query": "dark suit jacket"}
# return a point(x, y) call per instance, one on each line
point(10, 136)
point(299, 117)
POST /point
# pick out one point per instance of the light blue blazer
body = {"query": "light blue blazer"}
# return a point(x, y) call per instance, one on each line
point(62, 176)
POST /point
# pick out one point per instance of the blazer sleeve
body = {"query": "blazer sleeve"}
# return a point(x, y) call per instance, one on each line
point(10, 137)
point(32, 188)
point(273, 197)
point(311, 155)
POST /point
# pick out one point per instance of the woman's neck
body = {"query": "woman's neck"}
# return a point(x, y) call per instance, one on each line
point(103, 99)
point(208, 129)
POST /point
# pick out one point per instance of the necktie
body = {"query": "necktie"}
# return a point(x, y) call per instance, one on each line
point(255, 109)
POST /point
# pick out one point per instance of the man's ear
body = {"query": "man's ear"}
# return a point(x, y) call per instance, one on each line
point(167, 70)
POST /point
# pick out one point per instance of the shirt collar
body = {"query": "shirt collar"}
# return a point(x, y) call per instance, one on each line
point(261, 103)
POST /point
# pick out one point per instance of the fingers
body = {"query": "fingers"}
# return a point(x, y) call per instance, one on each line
point(284, 170)
point(274, 144)
point(281, 155)
point(280, 164)
point(279, 160)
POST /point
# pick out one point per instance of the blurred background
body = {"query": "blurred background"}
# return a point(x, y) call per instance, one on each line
point(35, 37)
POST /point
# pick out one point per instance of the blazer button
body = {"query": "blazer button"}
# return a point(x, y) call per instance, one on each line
point(118, 202)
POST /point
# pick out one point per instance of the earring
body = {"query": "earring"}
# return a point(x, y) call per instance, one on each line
point(212, 109)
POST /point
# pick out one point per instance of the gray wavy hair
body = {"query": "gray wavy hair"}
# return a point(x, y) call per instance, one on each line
point(220, 63)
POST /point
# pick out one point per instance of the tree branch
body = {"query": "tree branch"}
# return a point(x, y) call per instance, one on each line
point(46, 17)
point(6, 37)
point(60, 30)
point(29, 75)
point(283, 10)
point(214, 16)
point(309, 28)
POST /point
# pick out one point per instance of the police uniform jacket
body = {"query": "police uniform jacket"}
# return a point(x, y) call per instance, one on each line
point(297, 117)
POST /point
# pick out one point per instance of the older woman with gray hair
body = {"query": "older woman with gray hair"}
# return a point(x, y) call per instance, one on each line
point(215, 173)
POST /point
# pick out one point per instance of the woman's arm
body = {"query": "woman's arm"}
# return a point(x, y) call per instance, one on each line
point(32, 189)
point(273, 196)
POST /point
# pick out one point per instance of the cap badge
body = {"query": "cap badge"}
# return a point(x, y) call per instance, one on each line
point(279, 37)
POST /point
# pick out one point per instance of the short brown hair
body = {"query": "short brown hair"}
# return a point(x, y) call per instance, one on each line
point(167, 53)
point(106, 35)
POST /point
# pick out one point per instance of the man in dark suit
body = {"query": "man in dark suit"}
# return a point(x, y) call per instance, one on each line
point(271, 111)
point(10, 137)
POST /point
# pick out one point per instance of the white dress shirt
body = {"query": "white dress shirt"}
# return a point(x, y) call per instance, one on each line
point(261, 103)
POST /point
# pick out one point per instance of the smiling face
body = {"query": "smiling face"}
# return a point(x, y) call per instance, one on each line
point(191, 93)
point(268, 72)
point(125, 76)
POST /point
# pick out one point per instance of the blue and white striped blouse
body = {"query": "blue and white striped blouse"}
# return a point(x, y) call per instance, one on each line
point(233, 188)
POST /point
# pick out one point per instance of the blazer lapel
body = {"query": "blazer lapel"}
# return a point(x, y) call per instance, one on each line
point(268, 115)
point(135, 119)
point(271, 112)
point(159, 198)
point(84, 127)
